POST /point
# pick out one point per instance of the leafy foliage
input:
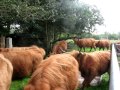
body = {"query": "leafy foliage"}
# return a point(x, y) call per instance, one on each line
point(48, 18)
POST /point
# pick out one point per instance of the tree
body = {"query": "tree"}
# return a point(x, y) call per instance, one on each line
point(49, 18)
point(87, 18)
point(7, 16)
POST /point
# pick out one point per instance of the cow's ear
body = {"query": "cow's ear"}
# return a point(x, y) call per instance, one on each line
point(81, 53)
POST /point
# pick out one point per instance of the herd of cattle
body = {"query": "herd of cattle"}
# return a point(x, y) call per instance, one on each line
point(61, 70)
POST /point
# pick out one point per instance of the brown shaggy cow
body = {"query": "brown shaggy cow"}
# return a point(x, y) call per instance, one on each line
point(102, 44)
point(57, 72)
point(93, 64)
point(6, 71)
point(85, 42)
point(33, 47)
point(24, 61)
point(59, 47)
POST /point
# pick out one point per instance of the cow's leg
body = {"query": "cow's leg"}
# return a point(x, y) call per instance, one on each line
point(90, 49)
point(87, 80)
point(84, 49)
point(99, 48)
point(103, 48)
point(79, 49)
point(94, 48)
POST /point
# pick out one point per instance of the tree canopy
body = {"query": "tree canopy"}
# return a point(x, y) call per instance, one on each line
point(48, 18)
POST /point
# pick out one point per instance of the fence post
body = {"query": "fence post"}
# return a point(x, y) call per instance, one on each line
point(2, 41)
point(9, 42)
point(114, 71)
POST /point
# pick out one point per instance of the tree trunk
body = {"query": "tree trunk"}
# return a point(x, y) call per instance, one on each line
point(47, 41)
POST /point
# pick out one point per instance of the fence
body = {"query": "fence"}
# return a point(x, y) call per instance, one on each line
point(114, 71)
point(5, 42)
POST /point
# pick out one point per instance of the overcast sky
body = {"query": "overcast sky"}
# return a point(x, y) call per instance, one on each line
point(110, 10)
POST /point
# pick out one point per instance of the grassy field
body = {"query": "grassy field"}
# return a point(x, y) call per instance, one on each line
point(19, 84)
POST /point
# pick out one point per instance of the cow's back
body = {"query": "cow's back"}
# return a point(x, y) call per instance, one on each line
point(6, 71)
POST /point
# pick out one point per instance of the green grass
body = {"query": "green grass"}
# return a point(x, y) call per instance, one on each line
point(19, 84)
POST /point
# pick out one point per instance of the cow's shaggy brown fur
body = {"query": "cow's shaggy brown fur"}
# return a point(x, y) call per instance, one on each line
point(33, 47)
point(85, 42)
point(102, 44)
point(6, 71)
point(24, 61)
point(93, 64)
point(57, 72)
point(59, 47)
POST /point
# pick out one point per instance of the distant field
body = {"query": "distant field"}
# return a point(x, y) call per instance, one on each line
point(114, 41)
